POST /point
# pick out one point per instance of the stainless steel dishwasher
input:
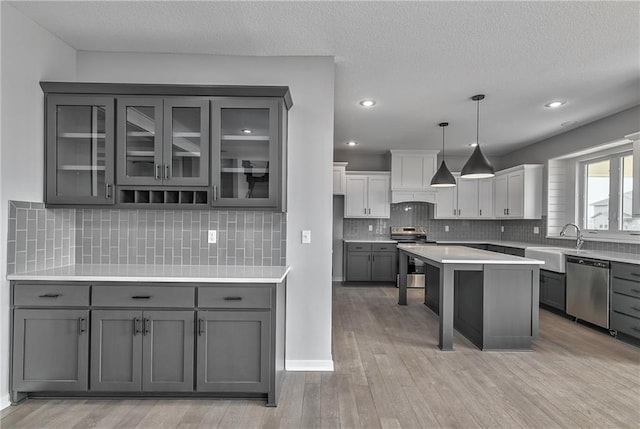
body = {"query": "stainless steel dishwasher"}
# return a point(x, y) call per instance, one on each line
point(588, 290)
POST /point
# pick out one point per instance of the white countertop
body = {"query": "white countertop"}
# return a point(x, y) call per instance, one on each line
point(371, 240)
point(465, 255)
point(159, 273)
point(628, 258)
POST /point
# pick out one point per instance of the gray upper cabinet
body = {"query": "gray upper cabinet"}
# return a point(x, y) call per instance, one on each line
point(247, 153)
point(163, 141)
point(79, 150)
point(50, 350)
point(234, 350)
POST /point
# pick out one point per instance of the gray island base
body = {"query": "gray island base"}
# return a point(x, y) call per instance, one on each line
point(492, 299)
point(148, 331)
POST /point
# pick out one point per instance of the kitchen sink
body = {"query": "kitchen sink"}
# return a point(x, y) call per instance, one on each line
point(553, 257)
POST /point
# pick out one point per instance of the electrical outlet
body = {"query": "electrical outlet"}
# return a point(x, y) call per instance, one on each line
point(212, 236)
point(370, 228)
point(306, 237)
point(446, 228)
point(501, 228)
point(536, 230)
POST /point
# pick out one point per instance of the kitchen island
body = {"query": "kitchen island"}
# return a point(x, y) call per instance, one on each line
point(148, 331)
point(492, 298)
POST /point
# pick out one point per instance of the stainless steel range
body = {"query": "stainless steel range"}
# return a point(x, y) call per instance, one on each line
point(412, 235)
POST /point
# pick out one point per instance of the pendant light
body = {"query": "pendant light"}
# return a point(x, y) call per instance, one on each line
point(443, 177)
point(477, 166)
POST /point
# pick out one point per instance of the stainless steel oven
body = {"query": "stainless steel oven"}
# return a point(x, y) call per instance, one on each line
point(416, 268)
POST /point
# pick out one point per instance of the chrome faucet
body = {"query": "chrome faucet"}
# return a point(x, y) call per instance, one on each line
point(579, 237)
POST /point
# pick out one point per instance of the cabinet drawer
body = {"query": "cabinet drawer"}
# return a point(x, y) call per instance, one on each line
point(627, 324)
point(626, 287)
point(384, 247)
point(625, 304)
point(234, 297)
point(626, 271)
point(51, 295)
point(358, 247)
point(143, 296)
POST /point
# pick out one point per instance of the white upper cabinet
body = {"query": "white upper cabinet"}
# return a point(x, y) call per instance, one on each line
point(411, 173)
point(367, 195)
point(518, 192)
point(469, 199)
point(339, 179)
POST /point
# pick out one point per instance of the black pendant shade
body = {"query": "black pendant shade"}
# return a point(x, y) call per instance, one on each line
point(443, 177)
point(477, 166)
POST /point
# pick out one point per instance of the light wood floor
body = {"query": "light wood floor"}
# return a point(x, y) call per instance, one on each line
point(389, 373)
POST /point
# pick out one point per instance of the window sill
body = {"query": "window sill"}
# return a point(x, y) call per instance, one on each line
point(626, 239)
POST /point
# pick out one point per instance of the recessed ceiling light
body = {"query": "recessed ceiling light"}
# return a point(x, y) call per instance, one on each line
point(246, 131)
point(555, 104)
point(351, 143)
point(568, 123)
point(368, 103)
point(473, 144)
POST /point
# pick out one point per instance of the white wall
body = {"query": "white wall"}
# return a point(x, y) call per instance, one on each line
point(29, 54)
point(311, 81)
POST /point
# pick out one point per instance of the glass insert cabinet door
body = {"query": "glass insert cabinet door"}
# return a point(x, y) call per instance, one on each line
point(246, 160)
point(163, 141)
point(80, 150)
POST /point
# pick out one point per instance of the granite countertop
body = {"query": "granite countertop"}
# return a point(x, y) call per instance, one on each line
point(465, 255)
point(369, 240)
point(159, 273)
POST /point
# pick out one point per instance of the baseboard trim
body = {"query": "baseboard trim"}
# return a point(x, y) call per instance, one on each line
point(309, 365)
point(338, 279)
point(4, 402)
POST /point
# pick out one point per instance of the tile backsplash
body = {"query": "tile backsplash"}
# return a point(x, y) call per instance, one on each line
point(45, 238)
point(421, 214)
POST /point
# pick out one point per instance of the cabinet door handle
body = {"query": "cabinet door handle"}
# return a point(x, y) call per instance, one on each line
point(107, 191)
point(166, 171)
point(508, 210)
point(365, 211)
point(49, 295)
point(146, 326)
point(136, 326)
point(454, 212)
point(233, 298)
point(200, 326)
point(373, 257)
point(215, 192)
point(141, 297)
point(480, 212)
point(82, 325)
point(369, 211)
point(157, 171)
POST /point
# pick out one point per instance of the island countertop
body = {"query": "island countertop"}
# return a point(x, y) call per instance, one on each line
point(158, 273)
point(465, 255)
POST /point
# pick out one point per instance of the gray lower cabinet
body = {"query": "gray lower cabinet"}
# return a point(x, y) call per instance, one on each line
point(50, 350)
point(233, 351)
point(150, 351)
point(553, 289)
point(625, 299)
point(377, 262)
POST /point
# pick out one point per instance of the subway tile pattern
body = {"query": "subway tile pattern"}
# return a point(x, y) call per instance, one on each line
point(39, 238)
point(45, 238)
point(522, 230)
point(179, 237)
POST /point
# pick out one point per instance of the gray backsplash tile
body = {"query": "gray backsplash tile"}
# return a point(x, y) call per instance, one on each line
point(45, 238)
point(421, 214)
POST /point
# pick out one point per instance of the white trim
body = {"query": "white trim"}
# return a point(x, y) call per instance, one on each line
point(309, 365)
point(4, 402)
point(338, 279)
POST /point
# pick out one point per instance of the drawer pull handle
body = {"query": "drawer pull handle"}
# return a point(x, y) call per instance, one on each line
point(82, 325)
point(136, 326)
point(50, 295)
point(141, 297)
point(233, 298)
point(200, 326)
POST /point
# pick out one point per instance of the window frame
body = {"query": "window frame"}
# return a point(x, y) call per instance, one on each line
point(614, 156)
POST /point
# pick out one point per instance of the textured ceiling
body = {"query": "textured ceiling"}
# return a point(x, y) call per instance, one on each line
point(421, 61)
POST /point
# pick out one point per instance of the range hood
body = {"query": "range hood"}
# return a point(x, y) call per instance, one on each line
point(413, 197)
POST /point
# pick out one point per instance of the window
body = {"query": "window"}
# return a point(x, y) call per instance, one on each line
point(607, 186)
